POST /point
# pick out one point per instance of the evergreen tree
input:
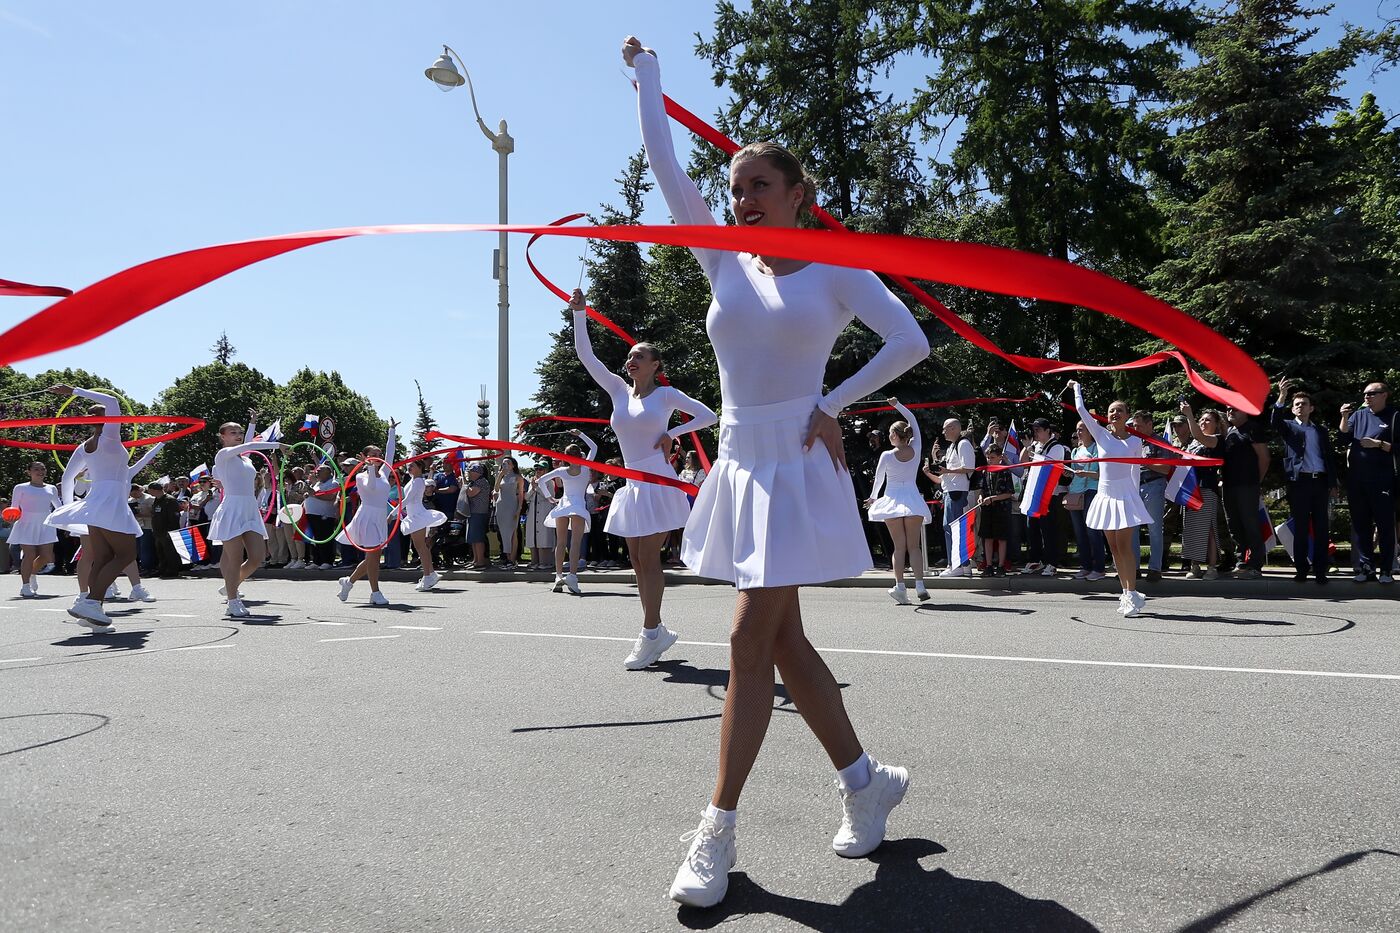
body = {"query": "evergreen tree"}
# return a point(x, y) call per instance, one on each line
point(1267, 241)
point(424, 423)
point(223, 349)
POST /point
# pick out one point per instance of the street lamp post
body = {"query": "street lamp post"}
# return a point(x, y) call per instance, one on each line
point(445, 74)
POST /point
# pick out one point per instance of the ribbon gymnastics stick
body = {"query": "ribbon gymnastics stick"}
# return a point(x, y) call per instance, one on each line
point(113, 301)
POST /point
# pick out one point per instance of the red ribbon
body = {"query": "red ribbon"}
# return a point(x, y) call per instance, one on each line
point(192, 425)
point(625, 472)
point(24, 290)
point(969, 333)
point(952, 403)
point(568, 419)
point(107, 304)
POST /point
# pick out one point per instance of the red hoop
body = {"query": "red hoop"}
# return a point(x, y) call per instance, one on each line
point(398, 511)
point(192, 425)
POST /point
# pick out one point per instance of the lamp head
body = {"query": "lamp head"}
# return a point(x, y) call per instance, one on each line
point(444, 73)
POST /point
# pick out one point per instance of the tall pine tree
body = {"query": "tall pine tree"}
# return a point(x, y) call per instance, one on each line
point(1266, 240)
point(424, 423)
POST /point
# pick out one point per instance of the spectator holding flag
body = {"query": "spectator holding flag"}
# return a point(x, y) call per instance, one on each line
point(165, 519)
point(1040, 502)
point(1371, 480)
point(998, 496)
point(1153, 487)
point(1200, 544)
point(1310, 465)
point(955, 476)
point(1078, 499)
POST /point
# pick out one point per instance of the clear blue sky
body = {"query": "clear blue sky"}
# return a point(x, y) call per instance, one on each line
point(137, 130)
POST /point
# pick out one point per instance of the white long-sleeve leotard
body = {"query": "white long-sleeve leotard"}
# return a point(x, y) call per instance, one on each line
point(1115, 479)
point(893, 471)
point(773, 335)
point(235, 472)
point(575, 484)
point(639, 422)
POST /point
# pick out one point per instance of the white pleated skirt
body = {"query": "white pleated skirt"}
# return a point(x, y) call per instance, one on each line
point(771, 514)
point(369, 529)
point(900, 500)
point(568, 507)
point(37, 532)
point(639, 509)
point(236, 516)
point(106, 506)
point(1116, 507)
point(420, 519)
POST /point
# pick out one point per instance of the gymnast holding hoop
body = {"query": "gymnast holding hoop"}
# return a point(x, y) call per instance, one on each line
point(369, 529)
point(237, 523)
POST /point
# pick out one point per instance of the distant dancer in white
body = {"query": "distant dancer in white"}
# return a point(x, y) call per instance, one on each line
point(112, 528)
point(35, 537)
point(643, 513)
point(902, 507)
point(418, 519)
point(569, 513)
point(1117, 508)
point(237, 523)
point(778, 510)
point(369, 529)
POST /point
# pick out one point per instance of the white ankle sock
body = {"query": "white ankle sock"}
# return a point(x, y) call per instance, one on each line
point(651, 632)
point(855, 775)
point(721, 817)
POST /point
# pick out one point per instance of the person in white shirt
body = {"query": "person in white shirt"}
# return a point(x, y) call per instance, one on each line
point(1043, 551)
point(778, 509)
point(954, 474)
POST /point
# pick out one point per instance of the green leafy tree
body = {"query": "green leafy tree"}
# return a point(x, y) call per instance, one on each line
point(218, 393)
point(357, 425)
point(1268, 240)
point(1051, 97)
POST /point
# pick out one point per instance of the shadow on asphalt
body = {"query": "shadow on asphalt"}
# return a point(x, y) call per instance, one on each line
point(101, 721)
point(961, 607)
point(902, 896)
point(117, 641)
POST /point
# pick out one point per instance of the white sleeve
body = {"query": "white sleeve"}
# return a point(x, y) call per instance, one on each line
point(880, 477)
point(592, 447)
point(76, 465)
point(246, 448)
point(686, 203)
point(610, 381)
point(1102, 435)
point(968, 455)
point(917, 441)
point(542, 484)
point(111, 407)
point(863, 294)
point(701, 417)
point(387, 467)
point(135, 469)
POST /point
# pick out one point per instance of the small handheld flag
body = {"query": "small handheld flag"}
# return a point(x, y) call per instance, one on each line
point(964, 539)
point(1040, 490)
point(199, 471)
point(1013, 442)
point(189, 543)
point(311, 423)
point(1266, 527)
point(1183, 489)
point(271, 434)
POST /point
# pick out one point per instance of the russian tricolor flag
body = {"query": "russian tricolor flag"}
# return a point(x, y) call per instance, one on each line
point(1286, 537)
point(310, 423)
point(1266, 527)
point(1013, 442)
point(197, 472)
point(964, 539)
point(272, 433)
point(1040, 491)
point(189, 542)
point(1183, 489)
point(455, 461)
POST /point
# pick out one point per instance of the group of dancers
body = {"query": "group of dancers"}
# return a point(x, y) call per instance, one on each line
point(776, 512)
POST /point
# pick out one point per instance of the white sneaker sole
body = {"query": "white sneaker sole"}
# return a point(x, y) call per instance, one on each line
point(894, 796)
point(701, 899)
point(900, 597)
point(664, 644)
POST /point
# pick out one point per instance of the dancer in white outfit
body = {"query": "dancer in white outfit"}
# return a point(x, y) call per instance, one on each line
point(237, 523)
point(643, 513)
point(417, 519)
point(569, 514)
point(778, 509)
point(67, 490)
point(1117, 508)
point(35, 500)
point(111, 527)
point(902, 507)
point(369, 529)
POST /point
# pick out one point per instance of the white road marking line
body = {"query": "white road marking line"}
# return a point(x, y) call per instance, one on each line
point(419, 628)
point(11, 608)
point(42, 609)
point(17, 660)
point(362, 638)
point(996, 657)
point(174, 615)
point(202, 647)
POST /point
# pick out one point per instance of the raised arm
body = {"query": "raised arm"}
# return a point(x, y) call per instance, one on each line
point(701, 417)
point(385, 469)
point(247, 447)
point(684, 200)
point(76, 465)
point(135, 469)
point(917, 441)
point(865, 296)
point(588, 442)
point(1102, 435)
point(110, 406)
point(609, 381)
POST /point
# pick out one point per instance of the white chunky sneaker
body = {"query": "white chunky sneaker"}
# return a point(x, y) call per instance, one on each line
point(647, 651)
point(113, 592)
point(558, 583)
point(139, 594)
point(378, 598)
point(27, 591)
point(703, 878)
point(224, 593)
point(236, 609)
point(294, 565)
point(429, 581)
point(1048, 570)
point(1137, 599)
point(571, 581)
point(89, 614)
point(899, 594)
point(864, 812)
point(921, 591)
point(345, 585)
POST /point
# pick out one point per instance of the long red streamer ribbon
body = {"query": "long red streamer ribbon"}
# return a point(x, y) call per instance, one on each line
point(955, 323)
point(113, 301)
point(191, 426)
point(624, 472)
point(25, 290)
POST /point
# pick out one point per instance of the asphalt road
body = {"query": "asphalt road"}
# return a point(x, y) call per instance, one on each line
point(1217, 764)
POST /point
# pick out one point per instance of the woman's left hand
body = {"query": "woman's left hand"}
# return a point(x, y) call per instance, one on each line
point(826, 429)
point(666, 444)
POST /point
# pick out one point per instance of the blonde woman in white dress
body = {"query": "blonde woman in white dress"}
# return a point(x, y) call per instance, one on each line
point(35, 499)
point(569, 513)
point(237, 522)
point(417, 521)
point(778, 509)
point(368, 531)
point(902, 507)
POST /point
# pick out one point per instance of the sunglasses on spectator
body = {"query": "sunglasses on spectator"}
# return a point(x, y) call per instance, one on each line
point(1369, 394)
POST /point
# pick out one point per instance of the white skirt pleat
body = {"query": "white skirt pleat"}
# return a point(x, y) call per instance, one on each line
point(107, 506)
point(639, 508)
point(901, 500)
point(771, 514)
point(420, 519)
point(236, 516)
point(1113, 509)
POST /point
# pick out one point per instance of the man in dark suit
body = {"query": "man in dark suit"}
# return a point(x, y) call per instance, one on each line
point(1311, 468)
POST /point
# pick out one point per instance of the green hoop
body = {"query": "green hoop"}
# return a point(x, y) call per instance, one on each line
point(282, 492)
